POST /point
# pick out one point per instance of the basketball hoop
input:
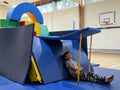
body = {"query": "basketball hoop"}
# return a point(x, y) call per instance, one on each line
point(106, 21)
point(107, 18)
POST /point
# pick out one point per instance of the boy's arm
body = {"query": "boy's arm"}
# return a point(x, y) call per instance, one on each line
point(74, 68)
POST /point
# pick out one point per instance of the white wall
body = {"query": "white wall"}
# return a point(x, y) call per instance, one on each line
point(3, 12)
point(93, 10)
point(108, 38)
point(62, 19)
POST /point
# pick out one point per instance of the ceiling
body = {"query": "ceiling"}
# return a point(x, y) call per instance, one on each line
point(11, 3)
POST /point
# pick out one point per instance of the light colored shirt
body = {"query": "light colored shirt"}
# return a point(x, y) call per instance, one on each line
point(72, 63)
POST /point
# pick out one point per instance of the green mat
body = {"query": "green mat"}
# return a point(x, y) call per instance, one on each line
point(8, 23)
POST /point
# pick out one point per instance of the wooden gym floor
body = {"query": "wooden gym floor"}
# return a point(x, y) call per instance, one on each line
point(107, 59)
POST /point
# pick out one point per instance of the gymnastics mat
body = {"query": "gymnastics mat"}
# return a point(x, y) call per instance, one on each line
point(15, 52)
point(5, 84)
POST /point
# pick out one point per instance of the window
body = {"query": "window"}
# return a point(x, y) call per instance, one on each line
point(49, 7)
point(62, 4)
point(46, 8)
point(65, 4)
point(91, 1)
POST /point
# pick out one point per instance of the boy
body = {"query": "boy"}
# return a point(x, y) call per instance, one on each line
point(84, 76)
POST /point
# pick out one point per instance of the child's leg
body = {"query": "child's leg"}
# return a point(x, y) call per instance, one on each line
point(92, 77)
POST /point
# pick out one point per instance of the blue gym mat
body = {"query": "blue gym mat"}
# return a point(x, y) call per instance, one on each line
point(6, 84)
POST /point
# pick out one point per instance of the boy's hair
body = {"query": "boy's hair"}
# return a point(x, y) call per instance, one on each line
point(64, 55)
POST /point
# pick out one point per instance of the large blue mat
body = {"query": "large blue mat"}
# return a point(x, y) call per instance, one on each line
point(67, 84)
point(50, 61)
point(46, 61)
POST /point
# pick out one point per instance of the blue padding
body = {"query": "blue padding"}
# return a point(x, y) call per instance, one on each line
point(70, 85)
point(4, 81)
point(115, 85)
point(16, 86)
point(46, 61)
point(84, 57)
point(95, 65)
point(74, 35)
point(16, 12)
point(73, 48)
point(57, 49)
